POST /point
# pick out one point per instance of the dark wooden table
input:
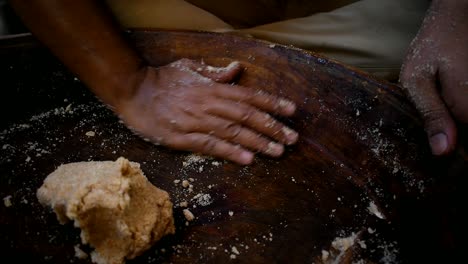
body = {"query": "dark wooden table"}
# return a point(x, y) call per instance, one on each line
point(361, 144)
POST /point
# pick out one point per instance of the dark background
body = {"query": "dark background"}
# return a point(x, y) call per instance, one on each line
point(10, 24)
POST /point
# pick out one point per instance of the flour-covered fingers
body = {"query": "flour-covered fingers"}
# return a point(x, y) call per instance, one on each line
point(210, 145)
point(253, 118)
point(238, 134)
point(257, 98)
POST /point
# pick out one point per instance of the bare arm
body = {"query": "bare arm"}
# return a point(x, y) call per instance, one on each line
point(83, 35)
point(183, 105)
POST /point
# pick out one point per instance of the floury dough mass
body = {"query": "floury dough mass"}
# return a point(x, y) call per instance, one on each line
point(120, 213)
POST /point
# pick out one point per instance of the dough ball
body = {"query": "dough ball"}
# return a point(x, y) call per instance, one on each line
point(120, 213)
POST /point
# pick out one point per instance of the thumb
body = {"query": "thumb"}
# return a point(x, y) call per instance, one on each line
point(219, 74)
point(439, 124)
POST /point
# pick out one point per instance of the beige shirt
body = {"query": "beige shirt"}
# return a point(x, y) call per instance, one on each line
point(372, 35)
point(250, 13)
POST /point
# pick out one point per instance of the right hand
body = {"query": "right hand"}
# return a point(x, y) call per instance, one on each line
point(435, 73)
point(187, 105)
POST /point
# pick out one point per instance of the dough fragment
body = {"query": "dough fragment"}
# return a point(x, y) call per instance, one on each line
point(120, 213)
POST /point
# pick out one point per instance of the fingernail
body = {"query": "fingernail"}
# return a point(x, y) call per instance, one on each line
point(287, 105)
point(246, 157)
point(274, 149)
point(290, 135)
point(439, 144)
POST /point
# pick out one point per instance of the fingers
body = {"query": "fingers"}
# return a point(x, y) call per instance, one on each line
point(210, 145)
point(217, 119)
point(235, 133)
point(439, 124)
point(251, 117)
point(257, 98)
point(221, 74)
point(218, 74)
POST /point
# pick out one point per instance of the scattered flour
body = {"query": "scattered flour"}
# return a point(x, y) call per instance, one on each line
point(7, 201)
point(375, 211)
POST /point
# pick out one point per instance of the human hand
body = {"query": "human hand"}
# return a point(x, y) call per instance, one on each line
point(187, 105)
point(435, 73)
point(184, 105)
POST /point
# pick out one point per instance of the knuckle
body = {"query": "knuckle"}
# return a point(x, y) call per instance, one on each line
point(174, 125)
point(433, 115)
point(247, 113)
point(183, 64)
point(185, 61)
point(173, 142)
point(261, 142)
point(186, 126)
point(183, 125)
point(248, 94)
point(232, 130)
point(232, 152)
point(208, 144)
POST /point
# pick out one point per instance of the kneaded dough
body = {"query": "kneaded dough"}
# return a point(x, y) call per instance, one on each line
point(120, 213)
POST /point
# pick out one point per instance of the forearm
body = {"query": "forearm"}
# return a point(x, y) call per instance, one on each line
point(83, 36)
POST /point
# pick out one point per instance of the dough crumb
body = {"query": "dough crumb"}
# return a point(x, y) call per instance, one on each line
point(185, 183)
point(203, 199)
point(7, 201)
point(120, 213)
point(90, 133)
point(344, 243)
point(235, 251)
point(373, 209)
point(188, 215)
point(325, 255)
point(79, 253)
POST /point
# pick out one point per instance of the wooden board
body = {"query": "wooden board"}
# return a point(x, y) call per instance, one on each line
point(361, 143)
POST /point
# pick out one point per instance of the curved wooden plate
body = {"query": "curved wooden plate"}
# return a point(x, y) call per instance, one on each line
point(361, 146)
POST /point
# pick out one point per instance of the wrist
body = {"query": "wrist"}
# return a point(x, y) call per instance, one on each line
point(116, 88)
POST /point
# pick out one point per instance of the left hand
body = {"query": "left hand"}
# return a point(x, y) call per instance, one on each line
point(435, 72)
